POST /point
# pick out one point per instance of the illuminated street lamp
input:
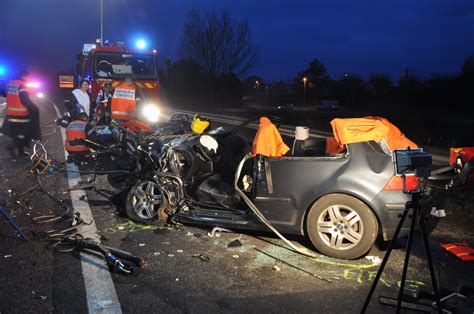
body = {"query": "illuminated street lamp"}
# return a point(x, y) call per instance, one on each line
point(257, 84)
point(304, 90)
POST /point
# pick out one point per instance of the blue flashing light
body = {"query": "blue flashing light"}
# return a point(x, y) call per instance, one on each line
point(140, 44)
point(3, 70)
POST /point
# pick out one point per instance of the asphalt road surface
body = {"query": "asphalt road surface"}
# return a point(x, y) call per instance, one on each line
point(262, 275)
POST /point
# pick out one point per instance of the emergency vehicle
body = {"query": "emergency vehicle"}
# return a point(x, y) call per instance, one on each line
point(113, 63)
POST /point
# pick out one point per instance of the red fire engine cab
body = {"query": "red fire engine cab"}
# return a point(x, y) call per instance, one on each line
point(115, 62)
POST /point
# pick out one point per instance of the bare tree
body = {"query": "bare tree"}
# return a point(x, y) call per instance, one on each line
point(218, 44)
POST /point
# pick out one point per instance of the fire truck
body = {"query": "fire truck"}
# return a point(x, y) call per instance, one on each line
point(113, 63)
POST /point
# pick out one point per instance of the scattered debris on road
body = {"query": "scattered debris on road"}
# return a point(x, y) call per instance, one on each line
point(276, 268)
point(202, 257)
point(234, 243)
point(293, 266)
point(235, 256)
point(374, 259)
point(216, 232)
point(117, 260)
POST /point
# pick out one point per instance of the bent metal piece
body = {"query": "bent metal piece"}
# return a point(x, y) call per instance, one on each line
point(111, 255)
point(257, 212)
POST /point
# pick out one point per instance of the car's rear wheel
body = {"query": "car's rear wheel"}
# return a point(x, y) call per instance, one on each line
point(341, 226)
point(146, 203)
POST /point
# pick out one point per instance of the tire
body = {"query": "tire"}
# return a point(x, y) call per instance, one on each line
point(341, 226)
point(145, 202)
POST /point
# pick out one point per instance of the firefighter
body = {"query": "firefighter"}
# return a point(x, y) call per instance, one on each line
point(22, 122)
point(124, 101)
point(102, 109)
point(77, 131)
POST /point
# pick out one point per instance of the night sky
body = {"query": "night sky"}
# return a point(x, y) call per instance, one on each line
point(428, 37)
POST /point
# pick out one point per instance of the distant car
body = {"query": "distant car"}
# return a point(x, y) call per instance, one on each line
point(329, 105)
point(286, 107)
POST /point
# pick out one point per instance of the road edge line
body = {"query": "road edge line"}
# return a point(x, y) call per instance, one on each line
point(100, 290)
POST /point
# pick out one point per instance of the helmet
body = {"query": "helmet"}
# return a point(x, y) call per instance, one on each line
point(81, 114)
point(199, 125)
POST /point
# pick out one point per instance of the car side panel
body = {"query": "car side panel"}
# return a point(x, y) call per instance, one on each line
point(296, 182)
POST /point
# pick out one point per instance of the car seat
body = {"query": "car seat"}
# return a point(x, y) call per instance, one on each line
point(309, 147)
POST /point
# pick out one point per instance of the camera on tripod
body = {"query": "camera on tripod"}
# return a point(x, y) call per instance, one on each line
point(409, 162)
point(412, 162)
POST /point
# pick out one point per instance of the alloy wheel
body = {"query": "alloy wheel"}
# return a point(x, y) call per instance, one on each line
point(147, 199)
point(340, 227)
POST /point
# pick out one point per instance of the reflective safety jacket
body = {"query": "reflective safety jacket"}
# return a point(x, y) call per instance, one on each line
point(76, 131)
point(124, 104)
point(16, 111)
point(268, 141)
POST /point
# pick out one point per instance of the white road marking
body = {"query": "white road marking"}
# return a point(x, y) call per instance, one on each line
point(100, 289)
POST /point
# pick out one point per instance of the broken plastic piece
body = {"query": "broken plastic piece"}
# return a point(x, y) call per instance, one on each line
point(276, 268)
point(162, 230)
point(235, 256)
point(438, 212)
point(234, 243)
point(215, 232)
point(374, 259)
point(202, 257)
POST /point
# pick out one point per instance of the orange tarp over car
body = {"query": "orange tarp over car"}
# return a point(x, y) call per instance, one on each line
point(355, 130)
point(268, 141)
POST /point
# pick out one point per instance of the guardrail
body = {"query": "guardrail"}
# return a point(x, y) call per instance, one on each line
point(287, 130)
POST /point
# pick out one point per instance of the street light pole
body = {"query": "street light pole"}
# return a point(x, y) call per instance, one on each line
point(101, 22)
point(304, 90)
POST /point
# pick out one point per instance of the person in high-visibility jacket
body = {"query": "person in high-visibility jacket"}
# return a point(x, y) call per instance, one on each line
point(22, 116)
point(124, 101)
point(77, 131)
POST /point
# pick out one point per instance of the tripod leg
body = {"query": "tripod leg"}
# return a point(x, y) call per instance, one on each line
point(407, 259)
point(13, 224)
point(385, 259)
point(430, 265)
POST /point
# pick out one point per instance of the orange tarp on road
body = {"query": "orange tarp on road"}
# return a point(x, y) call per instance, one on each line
point(355, 130)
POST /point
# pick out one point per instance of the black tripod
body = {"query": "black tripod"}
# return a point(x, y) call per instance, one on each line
point(417, 213)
